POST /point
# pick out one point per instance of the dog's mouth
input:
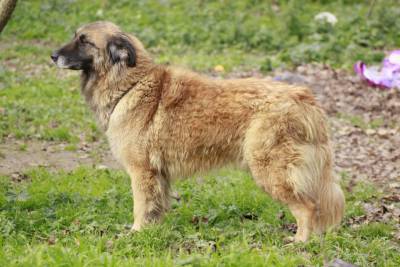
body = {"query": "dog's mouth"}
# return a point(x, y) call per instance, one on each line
point(63, 62)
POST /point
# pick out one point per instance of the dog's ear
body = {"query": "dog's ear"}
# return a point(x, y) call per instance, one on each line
point(120, 49)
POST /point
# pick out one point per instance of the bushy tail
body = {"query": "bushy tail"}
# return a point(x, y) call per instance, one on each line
point(315, 183)
point(329, 206)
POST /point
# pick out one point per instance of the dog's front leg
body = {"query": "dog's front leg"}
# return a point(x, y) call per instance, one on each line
point(151, 196)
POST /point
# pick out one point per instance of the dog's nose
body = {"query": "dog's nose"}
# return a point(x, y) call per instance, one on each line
point(54, 56)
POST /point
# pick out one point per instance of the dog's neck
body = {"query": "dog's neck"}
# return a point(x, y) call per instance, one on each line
point(103, 91)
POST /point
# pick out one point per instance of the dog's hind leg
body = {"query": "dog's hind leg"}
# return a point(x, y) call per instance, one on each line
point(289, 157)
point(151, 195)
point(304, 216)
point(273, 178)
point(303, 182)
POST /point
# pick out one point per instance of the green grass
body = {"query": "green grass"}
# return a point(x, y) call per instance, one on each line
point(359, 122)
point(44, 103)
point(49, 109)
point(80, 219)
point(286, 34)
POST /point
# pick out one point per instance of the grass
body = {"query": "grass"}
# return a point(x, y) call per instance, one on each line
point(80, 219)
point(278, 31)
point(44, 103)
point(359, 122)
point(48, 109)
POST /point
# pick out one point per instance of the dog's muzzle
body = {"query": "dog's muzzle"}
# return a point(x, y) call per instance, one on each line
point(54, 57)
point(62, 62)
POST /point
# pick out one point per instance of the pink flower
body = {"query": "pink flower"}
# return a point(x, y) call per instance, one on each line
point(388, 76)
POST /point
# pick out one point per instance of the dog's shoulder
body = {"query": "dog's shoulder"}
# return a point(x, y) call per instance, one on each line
point(180, 84)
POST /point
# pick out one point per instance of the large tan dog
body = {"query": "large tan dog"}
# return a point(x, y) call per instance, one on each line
point(162, 122)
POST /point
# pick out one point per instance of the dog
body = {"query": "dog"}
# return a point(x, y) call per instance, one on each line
point(163, 122)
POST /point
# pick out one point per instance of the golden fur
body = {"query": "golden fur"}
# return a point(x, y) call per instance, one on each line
point(163, 122)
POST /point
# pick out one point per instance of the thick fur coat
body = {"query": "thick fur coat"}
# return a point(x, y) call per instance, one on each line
point(163, 123)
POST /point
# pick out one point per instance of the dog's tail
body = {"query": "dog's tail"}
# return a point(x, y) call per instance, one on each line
point(315, 179)
point(329, 207)
point(316, 184)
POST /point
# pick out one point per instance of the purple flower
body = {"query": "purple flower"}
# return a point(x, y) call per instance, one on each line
point(388, 76)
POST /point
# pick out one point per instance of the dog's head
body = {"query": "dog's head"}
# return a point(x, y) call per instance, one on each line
point(97, 46)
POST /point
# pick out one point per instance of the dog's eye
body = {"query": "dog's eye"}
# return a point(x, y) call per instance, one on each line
point(82, 39)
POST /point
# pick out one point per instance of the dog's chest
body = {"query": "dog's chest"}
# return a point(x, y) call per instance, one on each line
point(124, 136)
point(118, 135)
point(116, 145)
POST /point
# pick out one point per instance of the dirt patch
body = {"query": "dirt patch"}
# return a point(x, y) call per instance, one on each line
point(17, 156)
point(367, 154)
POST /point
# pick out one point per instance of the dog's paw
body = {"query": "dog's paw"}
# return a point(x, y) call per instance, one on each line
point(135, 228)
point(129, 229)
point(293, 239)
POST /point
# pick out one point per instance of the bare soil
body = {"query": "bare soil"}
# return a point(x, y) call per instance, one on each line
point(18, 156)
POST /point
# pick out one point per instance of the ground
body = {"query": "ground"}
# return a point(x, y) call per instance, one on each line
point(64, 200)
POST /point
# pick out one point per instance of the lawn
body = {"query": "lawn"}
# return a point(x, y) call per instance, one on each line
point(81, 216)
